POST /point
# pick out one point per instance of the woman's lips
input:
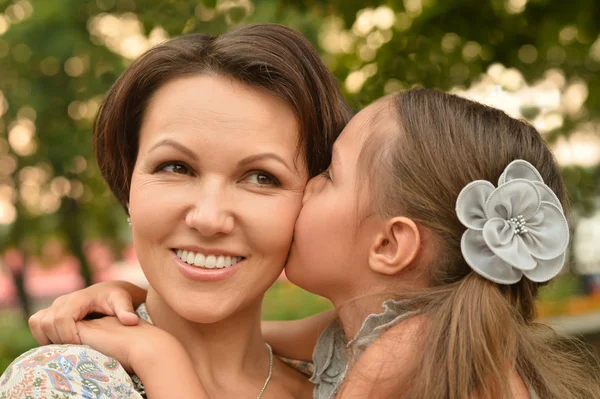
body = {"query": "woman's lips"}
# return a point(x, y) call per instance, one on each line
point(212, 273)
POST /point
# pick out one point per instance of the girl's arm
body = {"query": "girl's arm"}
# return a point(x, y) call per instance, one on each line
point(56, 324)
point(296, 339)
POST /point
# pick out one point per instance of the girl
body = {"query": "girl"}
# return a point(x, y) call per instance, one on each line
point(450, 215)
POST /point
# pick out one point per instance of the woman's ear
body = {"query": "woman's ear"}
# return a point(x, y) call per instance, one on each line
point(395, 247)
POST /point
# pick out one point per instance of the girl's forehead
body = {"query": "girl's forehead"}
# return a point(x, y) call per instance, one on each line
point(374, 120)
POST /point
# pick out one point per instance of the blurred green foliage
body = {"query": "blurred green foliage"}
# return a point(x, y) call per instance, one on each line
point(285, 301)
point(15, 338)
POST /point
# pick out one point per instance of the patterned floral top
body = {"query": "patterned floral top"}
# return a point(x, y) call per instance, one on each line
point(66, 371)
point(69, 372)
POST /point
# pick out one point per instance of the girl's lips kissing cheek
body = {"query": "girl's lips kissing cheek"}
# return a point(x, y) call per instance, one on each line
point(206, 266)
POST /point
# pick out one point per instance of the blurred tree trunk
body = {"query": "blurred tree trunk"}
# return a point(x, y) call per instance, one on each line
point(18, 270)
point(18, 277)
point(72, 227)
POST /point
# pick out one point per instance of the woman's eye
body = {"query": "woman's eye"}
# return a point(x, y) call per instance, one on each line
point(326, 174)
point(176, 168)
point(262, 179)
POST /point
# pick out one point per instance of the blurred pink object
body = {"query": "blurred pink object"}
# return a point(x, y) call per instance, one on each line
point(127, 269)
point(101, 260)
point(13, 259)
point(52, 281)
point(8, 290)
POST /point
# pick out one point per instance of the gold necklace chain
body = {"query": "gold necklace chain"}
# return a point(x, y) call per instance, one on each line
point(270, 371)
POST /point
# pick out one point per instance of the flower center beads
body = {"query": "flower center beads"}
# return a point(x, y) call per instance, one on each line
point(518, 224)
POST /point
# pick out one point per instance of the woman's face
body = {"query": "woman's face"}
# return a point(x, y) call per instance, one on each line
point(215, 193)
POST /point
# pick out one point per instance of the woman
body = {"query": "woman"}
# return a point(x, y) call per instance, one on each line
point(208, 144)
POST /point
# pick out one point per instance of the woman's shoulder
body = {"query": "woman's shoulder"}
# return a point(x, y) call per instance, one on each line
point(73, 371)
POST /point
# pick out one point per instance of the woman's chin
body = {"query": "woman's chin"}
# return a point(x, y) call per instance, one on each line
point(204, 313)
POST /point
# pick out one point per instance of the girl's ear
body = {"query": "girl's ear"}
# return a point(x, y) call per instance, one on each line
point(395, 247)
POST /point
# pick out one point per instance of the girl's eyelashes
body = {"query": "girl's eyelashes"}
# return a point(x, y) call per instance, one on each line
point(326, 174)
point(178, 168)
point(262, 178)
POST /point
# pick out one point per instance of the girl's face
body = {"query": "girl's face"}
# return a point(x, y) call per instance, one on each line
point(215, 192)
point(334, 229)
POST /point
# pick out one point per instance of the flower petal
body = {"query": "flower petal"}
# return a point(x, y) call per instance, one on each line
point(513, 198)
point(507, 245)
point(546, 269)
point(470, 205)
point(547, 194)
point(547, 232)
point(520, 169)
point(484, 262)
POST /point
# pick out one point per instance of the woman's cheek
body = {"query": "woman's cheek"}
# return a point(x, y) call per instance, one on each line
point(274, 220)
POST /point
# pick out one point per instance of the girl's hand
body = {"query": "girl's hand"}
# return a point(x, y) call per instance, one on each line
point(132, 346)
point(56, 324)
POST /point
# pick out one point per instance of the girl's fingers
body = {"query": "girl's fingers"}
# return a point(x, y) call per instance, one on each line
point(121, 305)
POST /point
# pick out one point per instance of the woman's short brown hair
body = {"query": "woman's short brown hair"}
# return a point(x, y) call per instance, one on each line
point(269, 57)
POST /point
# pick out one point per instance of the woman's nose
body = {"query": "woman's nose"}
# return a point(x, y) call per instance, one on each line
point(211, 213)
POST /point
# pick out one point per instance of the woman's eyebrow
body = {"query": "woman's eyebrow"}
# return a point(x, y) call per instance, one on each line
point(244, 162)
point(176, 145)
point(267, 155)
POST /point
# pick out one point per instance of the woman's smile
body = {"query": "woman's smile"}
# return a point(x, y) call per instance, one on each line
point(207, 260)
point(207, 273)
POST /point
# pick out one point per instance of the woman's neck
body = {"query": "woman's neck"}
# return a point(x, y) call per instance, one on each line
point(228, 351)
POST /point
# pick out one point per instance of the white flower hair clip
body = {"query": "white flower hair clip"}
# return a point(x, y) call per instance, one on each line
point(516, 229)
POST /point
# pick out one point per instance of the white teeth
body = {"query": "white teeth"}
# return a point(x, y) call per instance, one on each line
point(211, 262)
point(190, 258)
point(199, 260)
point(208, 262)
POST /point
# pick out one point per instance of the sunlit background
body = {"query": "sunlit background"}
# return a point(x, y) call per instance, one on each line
point(60, 229)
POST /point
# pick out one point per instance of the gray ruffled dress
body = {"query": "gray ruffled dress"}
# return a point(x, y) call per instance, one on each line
point(333, 352)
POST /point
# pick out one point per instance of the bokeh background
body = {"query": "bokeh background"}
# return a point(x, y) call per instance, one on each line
point(60, 229)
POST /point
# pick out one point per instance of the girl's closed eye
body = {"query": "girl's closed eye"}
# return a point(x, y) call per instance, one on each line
point(261, 178)
point(326, 174)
